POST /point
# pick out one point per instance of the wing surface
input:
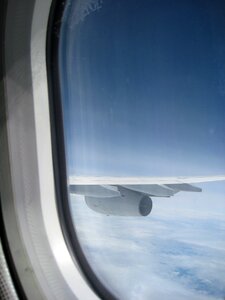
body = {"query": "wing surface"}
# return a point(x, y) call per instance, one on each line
point(170, 182)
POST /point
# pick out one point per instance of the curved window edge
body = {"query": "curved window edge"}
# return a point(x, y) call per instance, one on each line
point(59, 160)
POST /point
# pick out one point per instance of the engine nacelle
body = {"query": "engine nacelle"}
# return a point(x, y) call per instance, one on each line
point(130, 203)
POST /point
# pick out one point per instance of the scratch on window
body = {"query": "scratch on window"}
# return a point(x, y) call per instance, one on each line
point(85, 8)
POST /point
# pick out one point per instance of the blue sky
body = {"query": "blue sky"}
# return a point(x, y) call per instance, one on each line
point(143, 83)
point(143, 89)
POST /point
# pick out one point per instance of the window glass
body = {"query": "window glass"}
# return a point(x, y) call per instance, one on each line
point(143, 95)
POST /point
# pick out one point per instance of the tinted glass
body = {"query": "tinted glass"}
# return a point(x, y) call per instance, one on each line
point(143, 95)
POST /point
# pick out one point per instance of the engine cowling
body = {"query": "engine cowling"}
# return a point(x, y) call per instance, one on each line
point(130, 203)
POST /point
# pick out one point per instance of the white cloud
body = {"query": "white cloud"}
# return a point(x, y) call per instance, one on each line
point(175, 253)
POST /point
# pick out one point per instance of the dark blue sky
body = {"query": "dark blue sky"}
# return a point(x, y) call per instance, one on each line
point(143, 87)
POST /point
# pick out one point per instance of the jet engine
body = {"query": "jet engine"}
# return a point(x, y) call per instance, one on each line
point(130, 203)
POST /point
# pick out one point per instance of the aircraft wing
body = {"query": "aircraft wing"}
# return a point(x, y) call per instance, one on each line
point(131, 196)
point(154, 186)
point(83, 180)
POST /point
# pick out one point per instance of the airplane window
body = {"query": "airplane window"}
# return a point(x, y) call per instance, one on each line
point(142, 87)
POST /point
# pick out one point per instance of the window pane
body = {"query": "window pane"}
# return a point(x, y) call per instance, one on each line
point(143, 95)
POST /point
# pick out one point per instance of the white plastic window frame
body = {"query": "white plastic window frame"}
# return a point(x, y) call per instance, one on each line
point(42, 260)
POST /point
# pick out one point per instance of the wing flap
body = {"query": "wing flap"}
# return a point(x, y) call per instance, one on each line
point(100, 191)
point(152, 189)
point(184, 187)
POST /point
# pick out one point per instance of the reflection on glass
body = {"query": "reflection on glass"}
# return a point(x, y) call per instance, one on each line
point(143, 95)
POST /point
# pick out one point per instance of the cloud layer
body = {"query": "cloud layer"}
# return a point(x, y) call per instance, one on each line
point(174, 253)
